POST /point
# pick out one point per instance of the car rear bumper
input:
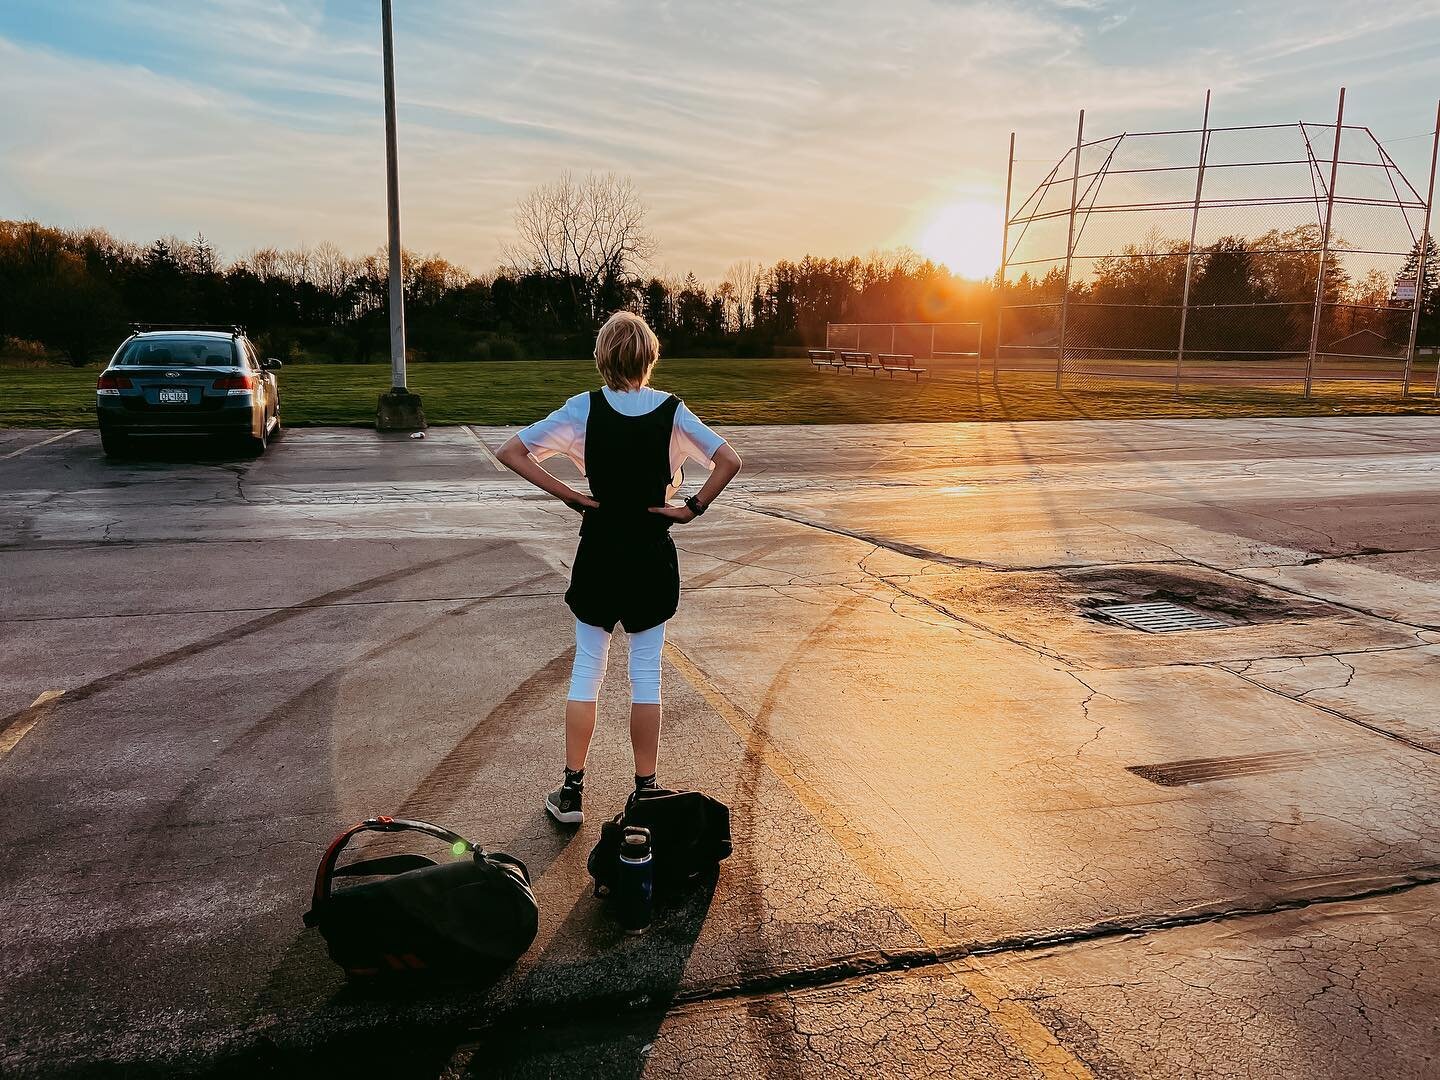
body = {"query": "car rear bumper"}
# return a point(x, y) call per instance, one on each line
point(119, 420)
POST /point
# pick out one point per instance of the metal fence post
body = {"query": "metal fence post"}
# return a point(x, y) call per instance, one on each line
point(1069, 250)
point(1004, 256)
point(1190, 251)
point(1420, 271)
point(1325, 246)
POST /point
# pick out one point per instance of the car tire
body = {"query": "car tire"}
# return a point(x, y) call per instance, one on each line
point(114, 444)
point(256, 444)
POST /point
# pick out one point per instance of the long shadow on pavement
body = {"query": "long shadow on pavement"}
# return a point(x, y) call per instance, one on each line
point(577, 1033)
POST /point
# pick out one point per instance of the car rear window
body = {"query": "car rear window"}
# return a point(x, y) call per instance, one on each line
point(180, 351)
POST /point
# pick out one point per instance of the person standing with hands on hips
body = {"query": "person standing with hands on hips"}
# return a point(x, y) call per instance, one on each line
point(630, 441)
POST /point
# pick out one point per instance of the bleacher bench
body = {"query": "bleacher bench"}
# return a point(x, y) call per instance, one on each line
point(893, 362)
point(824, 358)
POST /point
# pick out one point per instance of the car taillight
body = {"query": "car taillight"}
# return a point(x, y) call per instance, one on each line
point(111, 383)
point(235, 384)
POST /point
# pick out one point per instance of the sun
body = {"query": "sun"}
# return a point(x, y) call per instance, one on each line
point(966, 237)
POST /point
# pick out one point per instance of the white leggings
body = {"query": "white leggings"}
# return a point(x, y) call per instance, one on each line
point(592, 651)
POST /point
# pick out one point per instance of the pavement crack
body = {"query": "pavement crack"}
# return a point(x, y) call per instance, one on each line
point(1235, 574)
point(897, 546)
point(906, 959)
point(953, 616)
point(891, 961)
point(1349, 677)
point(1300, 699)
point(890, 582)
point(1090, 695)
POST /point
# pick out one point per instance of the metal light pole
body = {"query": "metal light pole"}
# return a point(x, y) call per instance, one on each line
point(392, 206)
point(398, 410)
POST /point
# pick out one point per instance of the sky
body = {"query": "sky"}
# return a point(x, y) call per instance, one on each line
point(754, 129)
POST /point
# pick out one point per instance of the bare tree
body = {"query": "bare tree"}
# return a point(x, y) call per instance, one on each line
point(742, 277)
point(264, 263)
point(591, 230)
point(297, 265)
point(430, 278)
point(334, 270)
point(730, 313)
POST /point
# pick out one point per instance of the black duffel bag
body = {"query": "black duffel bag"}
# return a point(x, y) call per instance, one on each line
point(689, 835)
point(472, 915)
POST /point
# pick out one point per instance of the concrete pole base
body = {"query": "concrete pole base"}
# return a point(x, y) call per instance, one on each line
point(399, 410)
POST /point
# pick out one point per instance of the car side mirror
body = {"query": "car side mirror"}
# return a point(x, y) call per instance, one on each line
point(271, 364)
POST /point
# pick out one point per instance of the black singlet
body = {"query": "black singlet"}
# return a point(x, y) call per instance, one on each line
point(625, 569)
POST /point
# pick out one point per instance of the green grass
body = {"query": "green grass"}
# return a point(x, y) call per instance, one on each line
point(721, 391)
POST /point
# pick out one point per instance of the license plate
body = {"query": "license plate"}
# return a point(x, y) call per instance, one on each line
point(176, 397)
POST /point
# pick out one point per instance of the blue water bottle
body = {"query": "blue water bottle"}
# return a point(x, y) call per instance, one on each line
point(633, 891)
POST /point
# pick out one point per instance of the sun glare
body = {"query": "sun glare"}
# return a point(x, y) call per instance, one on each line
point(965, 236)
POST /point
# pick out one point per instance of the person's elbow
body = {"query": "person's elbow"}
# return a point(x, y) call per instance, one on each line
point(726, 458)
point(512, 453)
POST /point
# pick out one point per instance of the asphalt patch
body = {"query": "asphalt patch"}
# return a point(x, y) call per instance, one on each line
point(1223, 596)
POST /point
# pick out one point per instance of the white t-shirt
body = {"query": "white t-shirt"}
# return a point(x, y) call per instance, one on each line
point(563, 431)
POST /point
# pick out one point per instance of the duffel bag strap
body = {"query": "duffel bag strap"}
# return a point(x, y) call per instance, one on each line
point(384, 866)
point(326, 872)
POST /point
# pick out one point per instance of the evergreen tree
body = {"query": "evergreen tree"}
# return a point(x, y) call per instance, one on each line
point(1432, 267)
point(1427, 293)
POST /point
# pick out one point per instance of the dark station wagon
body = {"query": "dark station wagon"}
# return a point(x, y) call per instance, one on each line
point(187, 380)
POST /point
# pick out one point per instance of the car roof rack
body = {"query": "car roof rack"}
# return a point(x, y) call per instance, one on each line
point(224, 328)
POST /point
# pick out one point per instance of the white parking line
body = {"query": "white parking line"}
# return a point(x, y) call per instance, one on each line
point(484, 449)
point(42, 442)
point(11, 736)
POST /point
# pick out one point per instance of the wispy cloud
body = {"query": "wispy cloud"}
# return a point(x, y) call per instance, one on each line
point(755, 130)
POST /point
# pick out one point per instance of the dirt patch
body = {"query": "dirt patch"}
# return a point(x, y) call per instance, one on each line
point(1230, 599)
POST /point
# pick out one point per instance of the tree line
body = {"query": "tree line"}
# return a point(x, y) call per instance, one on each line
point(1248, 297)
point(72, 293)
point(580, 250)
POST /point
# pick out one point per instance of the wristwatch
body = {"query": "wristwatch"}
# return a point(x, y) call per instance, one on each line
point(696, 507)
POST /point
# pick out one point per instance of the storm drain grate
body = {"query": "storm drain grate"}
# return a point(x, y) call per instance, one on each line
point(1160, 617)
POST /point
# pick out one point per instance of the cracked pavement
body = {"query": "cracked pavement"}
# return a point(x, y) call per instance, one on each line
point(980, 830)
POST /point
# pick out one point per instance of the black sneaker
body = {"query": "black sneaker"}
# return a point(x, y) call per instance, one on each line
point(563, 804)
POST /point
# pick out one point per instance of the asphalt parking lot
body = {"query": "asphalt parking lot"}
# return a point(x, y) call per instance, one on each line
point(981, 830)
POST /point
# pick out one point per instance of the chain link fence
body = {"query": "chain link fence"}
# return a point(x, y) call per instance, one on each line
point(1281, 255)
point(923, 341)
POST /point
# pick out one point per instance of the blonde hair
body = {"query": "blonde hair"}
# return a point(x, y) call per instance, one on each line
point(626, 350)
